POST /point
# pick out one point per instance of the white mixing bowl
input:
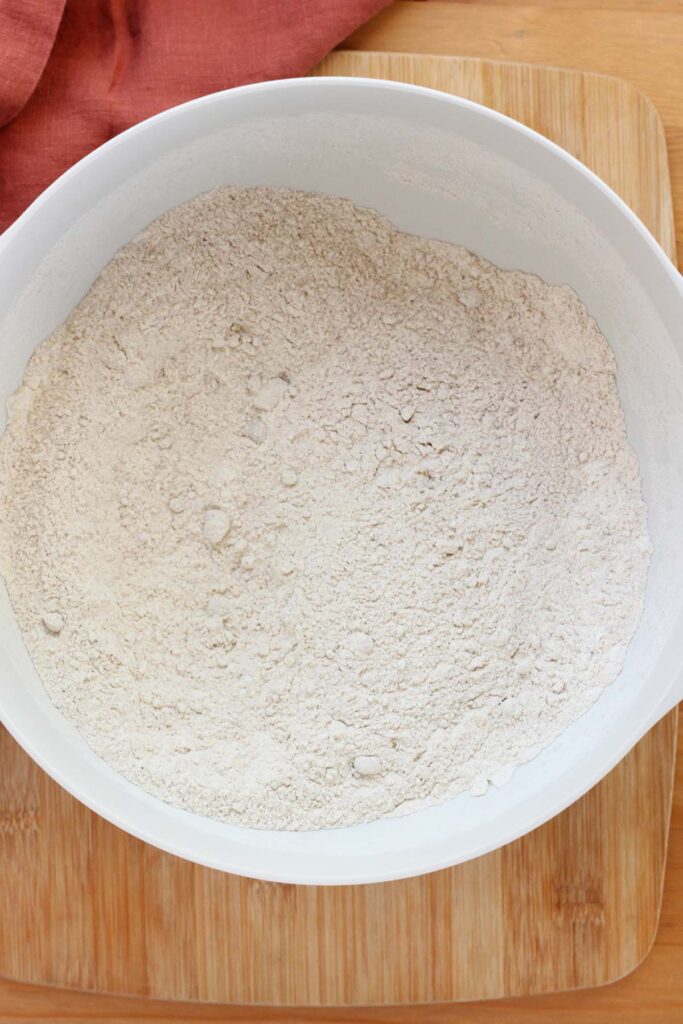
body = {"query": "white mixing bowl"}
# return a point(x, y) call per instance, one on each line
point(441, 167)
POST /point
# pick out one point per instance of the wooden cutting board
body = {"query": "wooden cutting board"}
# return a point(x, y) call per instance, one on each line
point(573, 904)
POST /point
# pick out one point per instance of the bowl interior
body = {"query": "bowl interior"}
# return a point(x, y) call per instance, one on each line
point(443, 168)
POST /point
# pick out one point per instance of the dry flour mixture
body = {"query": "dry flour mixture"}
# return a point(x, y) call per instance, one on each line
point(307, 521)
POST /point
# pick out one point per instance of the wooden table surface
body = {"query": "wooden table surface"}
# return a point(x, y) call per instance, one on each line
point(642, 41)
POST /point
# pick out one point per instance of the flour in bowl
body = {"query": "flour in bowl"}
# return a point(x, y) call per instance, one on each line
point(308, 522)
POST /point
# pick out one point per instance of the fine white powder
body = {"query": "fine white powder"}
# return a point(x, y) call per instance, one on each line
point(307, 521)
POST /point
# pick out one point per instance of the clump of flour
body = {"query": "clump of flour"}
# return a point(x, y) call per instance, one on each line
point(307, 521)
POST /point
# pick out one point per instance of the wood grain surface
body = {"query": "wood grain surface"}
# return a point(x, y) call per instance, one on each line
point(573, 904)
point(640, 41)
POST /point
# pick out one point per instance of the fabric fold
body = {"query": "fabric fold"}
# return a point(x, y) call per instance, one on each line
point(27, 34)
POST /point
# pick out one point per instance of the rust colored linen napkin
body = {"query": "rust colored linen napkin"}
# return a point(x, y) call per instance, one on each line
point(75, 73)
